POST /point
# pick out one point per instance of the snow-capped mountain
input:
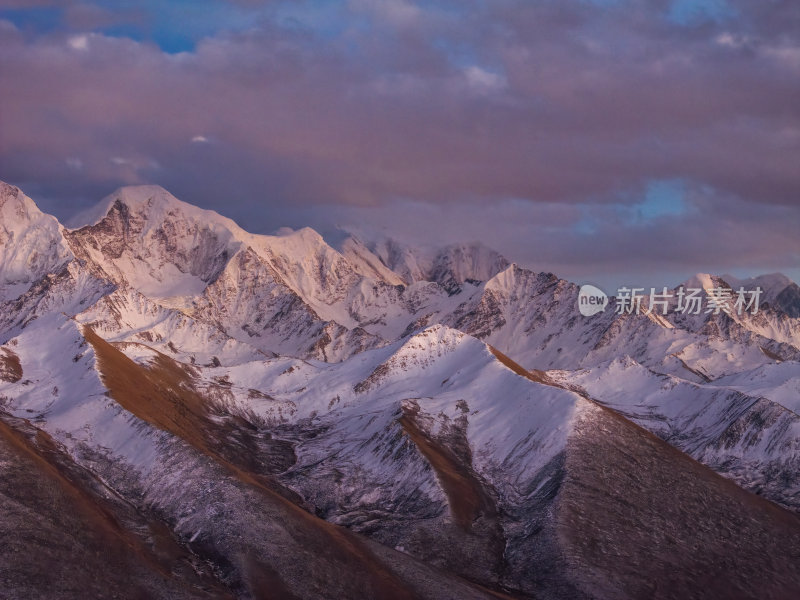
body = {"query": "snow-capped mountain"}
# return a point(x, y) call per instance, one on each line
point(779, 290)
point(449, 265)
point(31, 243)
point(246, 416)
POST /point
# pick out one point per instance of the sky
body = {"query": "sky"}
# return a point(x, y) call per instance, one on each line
point(617, 142)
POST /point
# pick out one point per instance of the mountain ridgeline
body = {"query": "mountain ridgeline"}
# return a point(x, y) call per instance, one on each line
point(189, 410)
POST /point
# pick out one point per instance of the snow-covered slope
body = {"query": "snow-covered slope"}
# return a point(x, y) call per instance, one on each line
point(435, 423)
point(149, 436)
point(435, 448)
point(738, 430)
point(778, 382)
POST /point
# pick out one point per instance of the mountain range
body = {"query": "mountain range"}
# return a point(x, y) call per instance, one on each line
point(189, 410)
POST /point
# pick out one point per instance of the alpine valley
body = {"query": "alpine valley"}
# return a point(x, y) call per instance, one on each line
point(189, 410)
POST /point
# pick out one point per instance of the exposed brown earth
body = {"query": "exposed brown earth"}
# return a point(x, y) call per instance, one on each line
point(466, 496)
point(163, 395)
point(10, 366)
point(698, 373)
point(639, 519)
point(473, 544)
point(62, 540)
point(630, 516)
point(534, 375)
point(770, 354)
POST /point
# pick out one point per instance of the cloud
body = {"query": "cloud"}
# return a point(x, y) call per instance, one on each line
point(399, 13)
point(23, 4)
point(534, 125)
point(74, 163)
point(610, 244)
point(78, 42)
point(483, 80)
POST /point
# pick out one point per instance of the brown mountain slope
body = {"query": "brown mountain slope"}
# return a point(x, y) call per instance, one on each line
point(639, 519)
point(307, 557)
point(62, 538)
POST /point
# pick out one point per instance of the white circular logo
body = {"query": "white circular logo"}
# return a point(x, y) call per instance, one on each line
point(591, 300)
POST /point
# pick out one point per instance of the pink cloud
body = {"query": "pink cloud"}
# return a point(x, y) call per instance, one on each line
point(549, 103)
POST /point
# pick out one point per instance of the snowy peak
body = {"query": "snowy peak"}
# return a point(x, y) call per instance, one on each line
point(31, 243)
point(705, 281)
point(154, 233)
point(460, 263)
point(153, 205)
point(435, 340)
point(12, 199)
point(408, 262)
point(143, 237)
point(513, 278)
point(19, 212)
point(450, 266)
point(771, 284)
point(777, 290)
point(449, 350)
point(367, 263)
